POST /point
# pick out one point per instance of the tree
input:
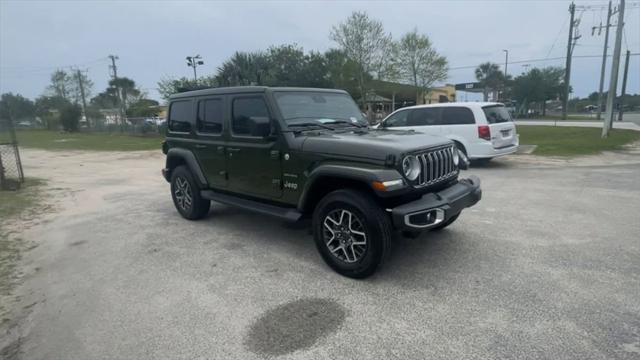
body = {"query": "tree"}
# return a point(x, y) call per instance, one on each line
point(539, 85)
point(16, 107)
point(364, 41)
point(48, 109)
point(70, 117)
point(342, 73)
point(61, 84)
point(143, 108)
point(244, 69)
point(418, 62)
point(169, 86)
point(490, 78)
point(75, 92)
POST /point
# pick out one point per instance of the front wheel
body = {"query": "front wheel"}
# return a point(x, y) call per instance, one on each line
point(352, 233)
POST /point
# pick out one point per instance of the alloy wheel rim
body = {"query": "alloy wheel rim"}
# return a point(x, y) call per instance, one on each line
point(183, 194)
point(344, 235)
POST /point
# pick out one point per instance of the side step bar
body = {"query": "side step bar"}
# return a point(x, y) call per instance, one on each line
point(288, 214)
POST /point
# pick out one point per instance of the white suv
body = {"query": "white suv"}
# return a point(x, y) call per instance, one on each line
point(480, 130)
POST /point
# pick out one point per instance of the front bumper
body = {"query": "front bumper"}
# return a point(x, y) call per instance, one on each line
point(435, 208)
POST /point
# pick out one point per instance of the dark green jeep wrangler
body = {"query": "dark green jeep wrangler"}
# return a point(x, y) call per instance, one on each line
point(308, 153)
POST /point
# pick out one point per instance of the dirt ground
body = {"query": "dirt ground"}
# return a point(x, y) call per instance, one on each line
point(547, 265)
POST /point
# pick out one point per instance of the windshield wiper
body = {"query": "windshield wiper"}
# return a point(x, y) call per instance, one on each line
point(352, 123)
point(310, 124)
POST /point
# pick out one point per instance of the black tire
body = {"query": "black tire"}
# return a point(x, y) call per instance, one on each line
point(182, 184)
point(372, 221)
point(411, 234)
point(446, 223)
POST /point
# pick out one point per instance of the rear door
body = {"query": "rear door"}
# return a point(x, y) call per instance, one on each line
point(459, 123)
point(253, 162)
point(503, 129)
point(209, 148)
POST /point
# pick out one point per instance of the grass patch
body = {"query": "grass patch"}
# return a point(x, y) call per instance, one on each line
point(13, 206)
point(52, 140)
point(574, 141)
point(559, 118)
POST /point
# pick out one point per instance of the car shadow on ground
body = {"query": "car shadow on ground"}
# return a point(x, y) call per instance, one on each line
point(431, 254)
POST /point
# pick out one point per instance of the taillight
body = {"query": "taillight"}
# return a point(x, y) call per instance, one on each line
point(484, 132)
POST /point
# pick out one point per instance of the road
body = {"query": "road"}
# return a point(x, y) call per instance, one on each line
point(595, 124)
point(546, 266)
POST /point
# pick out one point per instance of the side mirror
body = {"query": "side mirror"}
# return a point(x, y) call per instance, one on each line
point(463, 163)
point(260, 126)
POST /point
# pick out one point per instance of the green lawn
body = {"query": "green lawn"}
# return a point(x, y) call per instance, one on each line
point(51, 140)
point(573, 141)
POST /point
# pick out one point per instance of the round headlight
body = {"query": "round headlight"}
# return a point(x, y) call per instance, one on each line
point(411, 167)
point(456, 156)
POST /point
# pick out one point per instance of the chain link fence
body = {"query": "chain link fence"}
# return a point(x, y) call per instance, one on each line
point(11, 175)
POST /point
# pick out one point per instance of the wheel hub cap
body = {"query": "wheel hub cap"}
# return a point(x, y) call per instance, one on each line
point(344, 235)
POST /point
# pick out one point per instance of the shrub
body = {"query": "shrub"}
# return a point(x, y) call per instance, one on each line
point(70, 117)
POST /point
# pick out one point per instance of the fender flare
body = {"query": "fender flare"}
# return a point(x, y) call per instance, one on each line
point(364, 175)
point(190, 160)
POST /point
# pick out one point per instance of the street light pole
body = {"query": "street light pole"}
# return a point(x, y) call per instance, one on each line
point(506, 62)
point(194, 61)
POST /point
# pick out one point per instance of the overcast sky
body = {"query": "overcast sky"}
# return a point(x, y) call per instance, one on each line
point(152, 38)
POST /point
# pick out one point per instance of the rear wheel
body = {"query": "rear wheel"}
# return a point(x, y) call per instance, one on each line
point(463, 152)
point(185, 192)
point(352, 233)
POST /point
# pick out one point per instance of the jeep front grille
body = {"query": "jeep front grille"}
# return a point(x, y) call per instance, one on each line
point(437, 165)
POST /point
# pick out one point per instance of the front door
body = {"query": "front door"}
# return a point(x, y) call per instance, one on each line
point(209, 147)
point(253, 160)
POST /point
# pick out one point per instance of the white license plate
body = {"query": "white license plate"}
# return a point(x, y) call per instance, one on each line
point(505, 133)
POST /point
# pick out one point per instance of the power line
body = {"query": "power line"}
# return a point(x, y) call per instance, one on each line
point(539, 60)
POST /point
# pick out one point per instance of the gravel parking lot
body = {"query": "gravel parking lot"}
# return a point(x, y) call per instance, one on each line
point(546, 266)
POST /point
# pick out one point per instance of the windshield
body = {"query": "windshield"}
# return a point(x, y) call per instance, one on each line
point(496, 114)
point(318, 107)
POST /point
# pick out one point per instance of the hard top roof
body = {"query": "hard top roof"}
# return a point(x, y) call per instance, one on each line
point(247, 89)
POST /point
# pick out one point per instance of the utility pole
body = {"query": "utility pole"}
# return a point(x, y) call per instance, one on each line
point(114, 68)
point(194, 61)
point(506, 63)
point(624, 84)
point(613, 84)
point(84, 100)
point(604, 58)
point(567, 69)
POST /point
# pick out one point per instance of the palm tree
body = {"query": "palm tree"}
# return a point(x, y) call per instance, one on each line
point(490, 78)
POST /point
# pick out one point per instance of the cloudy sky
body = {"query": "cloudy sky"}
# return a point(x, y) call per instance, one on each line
point(152, 38)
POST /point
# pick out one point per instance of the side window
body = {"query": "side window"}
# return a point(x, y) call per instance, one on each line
point(397, 119)
point(210, 112)
point(424, 117)
point(180, 116)
point(457, 116)
point(248, 114)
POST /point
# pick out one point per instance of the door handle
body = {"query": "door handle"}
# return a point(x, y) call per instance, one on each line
point(200, 146)
point(232, 150)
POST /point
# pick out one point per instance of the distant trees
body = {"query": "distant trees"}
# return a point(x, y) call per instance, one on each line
point(491, 79)
point(418, 62)
point(539, 85)
point(364, 41)
point(70, 117)
point(16, 107)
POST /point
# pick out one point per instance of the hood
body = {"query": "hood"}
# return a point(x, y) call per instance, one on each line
point(373, 144)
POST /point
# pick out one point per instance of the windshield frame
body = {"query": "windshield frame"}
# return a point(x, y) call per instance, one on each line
point(339, 122)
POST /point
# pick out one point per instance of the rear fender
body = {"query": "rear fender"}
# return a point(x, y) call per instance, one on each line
point(177, 157)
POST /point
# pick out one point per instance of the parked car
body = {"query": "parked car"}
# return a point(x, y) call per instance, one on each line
point(481, 131)
point(294, 153)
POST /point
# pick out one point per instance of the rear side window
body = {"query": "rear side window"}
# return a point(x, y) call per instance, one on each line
point(424, 117)
point(210, 112)
point(180, 116)
point(457, 116)
point(243, 110)
point(496, 114)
